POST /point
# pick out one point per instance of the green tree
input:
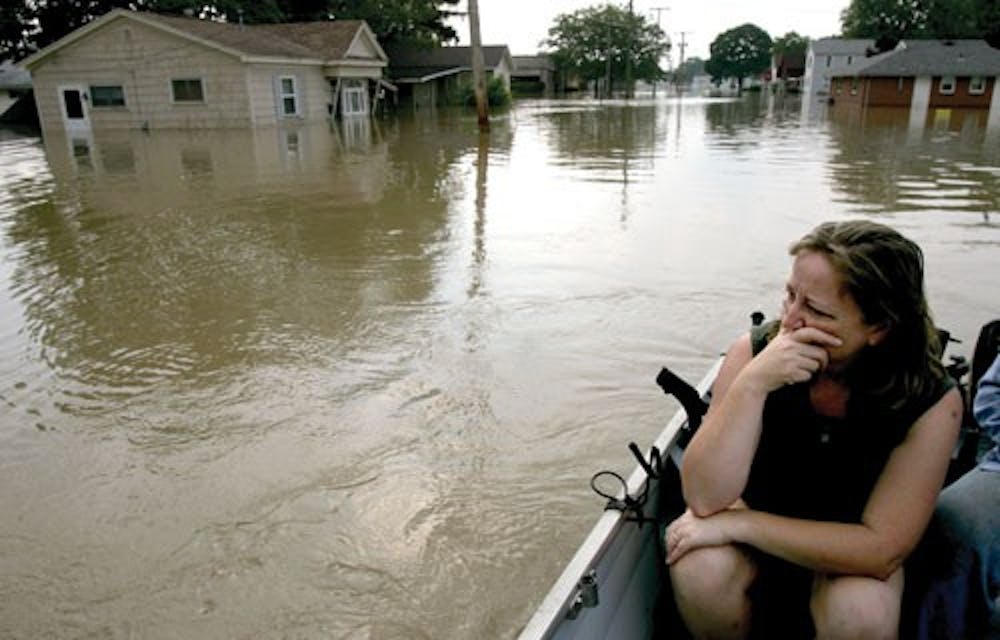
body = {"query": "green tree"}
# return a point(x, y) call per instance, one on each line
point(28, 25)
point(420, 22)
point(690, 68)
point(604, 42)
point(738, 53)
point(894, 20)
point(15, 30)
point(496, 94)
point(888, 19)
point(790, 44)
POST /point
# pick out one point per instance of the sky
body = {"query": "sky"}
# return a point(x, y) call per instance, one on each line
point(522, 24)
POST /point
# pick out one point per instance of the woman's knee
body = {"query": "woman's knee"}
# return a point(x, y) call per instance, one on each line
point(856, 606)
point(713, 571)
point(710, 588)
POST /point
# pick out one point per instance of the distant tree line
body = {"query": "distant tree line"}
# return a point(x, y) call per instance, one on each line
point(29, 25)
point(597, 42)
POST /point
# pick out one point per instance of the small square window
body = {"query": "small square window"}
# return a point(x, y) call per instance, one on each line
point(946, 86)
point(977, 86)
point(187, 90)
point(107, 96)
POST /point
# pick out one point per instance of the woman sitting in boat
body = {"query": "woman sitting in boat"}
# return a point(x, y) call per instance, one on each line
point(816, 469)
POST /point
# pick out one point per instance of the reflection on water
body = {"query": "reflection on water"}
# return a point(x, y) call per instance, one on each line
point(883, 164)
point(351, 381)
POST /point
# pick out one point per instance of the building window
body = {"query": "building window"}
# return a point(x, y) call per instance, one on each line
point(107, 96)
point(829, 60)
point(187, 90)
point(850, 59)
point(947, 86)
point(288, 97)
point(977, 85)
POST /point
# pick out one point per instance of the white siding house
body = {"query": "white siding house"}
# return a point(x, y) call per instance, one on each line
point(143, 70)
point(828, 57)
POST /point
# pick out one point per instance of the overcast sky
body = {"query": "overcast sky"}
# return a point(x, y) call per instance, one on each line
point(522, 24)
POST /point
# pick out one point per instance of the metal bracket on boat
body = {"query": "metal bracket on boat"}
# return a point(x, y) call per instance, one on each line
point(586, 595)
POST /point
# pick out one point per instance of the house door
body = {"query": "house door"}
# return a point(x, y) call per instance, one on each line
point(354, 98)
point(73, 101)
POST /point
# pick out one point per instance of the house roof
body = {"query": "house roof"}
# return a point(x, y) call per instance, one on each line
point(13, 77)
point(533, 63)
point(932, 58)
point(323, 42)
point(414, 64)
point(841, 46)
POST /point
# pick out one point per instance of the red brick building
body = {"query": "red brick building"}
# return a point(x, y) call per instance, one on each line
point(930, 74)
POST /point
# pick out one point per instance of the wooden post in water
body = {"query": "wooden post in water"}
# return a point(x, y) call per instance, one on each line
point(478, 73)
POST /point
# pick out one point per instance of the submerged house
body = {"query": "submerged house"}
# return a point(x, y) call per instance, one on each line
point(935, 74)
point(131, 69)
point(435, 77)
point(828, 57)
point(533, 75)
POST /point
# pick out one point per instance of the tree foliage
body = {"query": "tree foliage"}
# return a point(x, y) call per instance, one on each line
point(594, 41)
point(740, 52)
point(29, 25)
point(894, 20)
point(790, 44)
point(690, 68)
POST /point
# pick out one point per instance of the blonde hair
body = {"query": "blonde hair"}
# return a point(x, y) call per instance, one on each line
point(884, 273)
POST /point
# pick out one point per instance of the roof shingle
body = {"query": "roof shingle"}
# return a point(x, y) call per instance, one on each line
point(933, 58)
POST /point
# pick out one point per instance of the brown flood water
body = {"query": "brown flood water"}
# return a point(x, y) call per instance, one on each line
point(353, 382)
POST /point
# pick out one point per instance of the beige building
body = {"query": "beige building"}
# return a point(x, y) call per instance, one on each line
point(435, 77)
point(143, 70)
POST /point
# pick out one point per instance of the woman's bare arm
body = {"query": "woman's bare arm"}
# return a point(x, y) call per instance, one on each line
point(717, 460)
point(892, 523)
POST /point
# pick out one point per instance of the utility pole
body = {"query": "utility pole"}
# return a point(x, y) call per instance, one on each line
point(658, 10)
point(478, 73)
point(680, 66)
point(629, 43)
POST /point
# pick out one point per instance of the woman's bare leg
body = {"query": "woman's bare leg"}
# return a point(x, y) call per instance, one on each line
point(856, 606)
point(710, 588)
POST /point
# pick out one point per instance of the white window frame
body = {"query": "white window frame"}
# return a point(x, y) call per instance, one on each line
point(93, 101)
point(946, 85)
point(292, 95)
point(173, 95)
point(977, 85)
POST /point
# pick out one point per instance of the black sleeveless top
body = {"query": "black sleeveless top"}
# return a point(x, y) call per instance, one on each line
point(821, 468)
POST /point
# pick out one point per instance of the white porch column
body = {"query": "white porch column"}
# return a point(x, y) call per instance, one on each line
point(993, 120)
point(919, 102)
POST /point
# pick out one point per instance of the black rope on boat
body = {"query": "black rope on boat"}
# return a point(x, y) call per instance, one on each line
point(632, 506)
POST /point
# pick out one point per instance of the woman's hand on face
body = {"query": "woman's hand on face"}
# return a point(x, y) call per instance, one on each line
point(793, 356)
point(689, 532)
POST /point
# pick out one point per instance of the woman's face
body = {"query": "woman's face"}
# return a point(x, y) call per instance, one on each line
point(815, 297)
